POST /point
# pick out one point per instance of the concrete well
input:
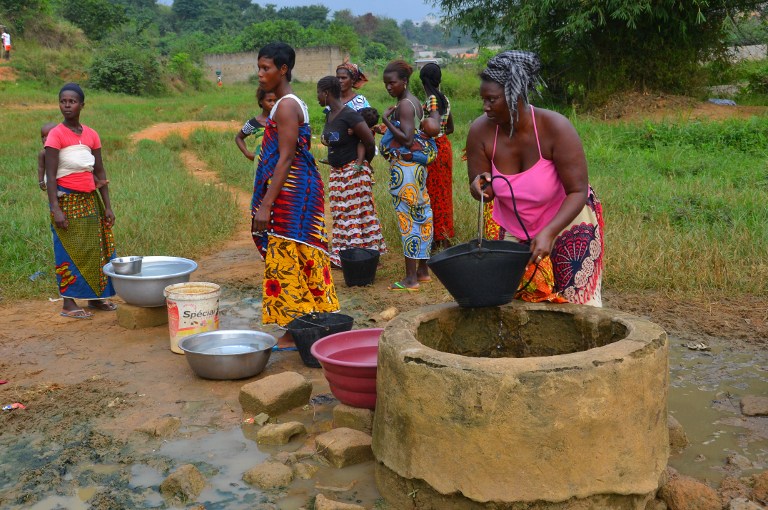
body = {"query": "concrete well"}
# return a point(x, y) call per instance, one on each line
point(524, 406)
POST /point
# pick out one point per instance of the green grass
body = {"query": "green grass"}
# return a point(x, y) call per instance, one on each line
point(684, 202)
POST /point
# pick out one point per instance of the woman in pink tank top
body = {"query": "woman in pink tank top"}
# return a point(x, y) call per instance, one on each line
point(531, 163)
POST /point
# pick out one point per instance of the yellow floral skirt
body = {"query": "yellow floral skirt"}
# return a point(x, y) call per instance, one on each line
point(297, 280)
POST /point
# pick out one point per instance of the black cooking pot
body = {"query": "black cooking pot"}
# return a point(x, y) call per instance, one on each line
point(311, 327)
point(485, 273)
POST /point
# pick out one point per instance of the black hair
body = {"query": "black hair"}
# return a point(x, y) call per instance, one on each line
point(260, 95)
point(330, 84)
point(73, 87)
point(431, 76)
point(401, 67)
point(370, 115)
point(281, 54)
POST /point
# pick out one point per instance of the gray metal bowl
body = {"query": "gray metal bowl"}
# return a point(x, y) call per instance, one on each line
point(228, 354)
point(126, 265)
point(146, 287)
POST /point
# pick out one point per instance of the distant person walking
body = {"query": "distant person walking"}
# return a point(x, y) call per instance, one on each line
point(6, 44)
point(440, 171)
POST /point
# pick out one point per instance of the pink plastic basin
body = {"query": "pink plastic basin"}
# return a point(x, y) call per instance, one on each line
point(349, 364)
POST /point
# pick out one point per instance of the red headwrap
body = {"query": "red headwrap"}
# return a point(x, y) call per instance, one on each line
point(358, 78)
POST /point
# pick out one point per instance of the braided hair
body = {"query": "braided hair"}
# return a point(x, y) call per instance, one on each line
point(431, 75)
point(518, 73)
point(331, 85)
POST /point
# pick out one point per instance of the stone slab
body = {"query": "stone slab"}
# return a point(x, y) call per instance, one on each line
point(139, 317)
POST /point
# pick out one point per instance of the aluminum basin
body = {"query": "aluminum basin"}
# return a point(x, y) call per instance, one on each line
point(228, 354)
point(146, 287)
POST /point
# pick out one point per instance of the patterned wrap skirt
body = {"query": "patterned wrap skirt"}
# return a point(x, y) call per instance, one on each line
point(573, 272)
point(355, 223)
point(440, 189)
point(408, 188)
point(82, 250)
point(297, 280)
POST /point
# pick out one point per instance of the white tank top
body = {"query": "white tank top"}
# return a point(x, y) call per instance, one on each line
point(304, 109)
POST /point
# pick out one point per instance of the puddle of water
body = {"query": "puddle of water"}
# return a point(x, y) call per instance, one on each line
point(60, 503)
point(704, 394)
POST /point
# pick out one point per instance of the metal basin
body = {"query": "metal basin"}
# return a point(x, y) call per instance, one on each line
point(228, 354)
point(146, 287)
point(126, 265)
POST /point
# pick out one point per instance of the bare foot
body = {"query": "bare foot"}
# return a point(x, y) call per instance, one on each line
point(285, 341)
point(103, 305)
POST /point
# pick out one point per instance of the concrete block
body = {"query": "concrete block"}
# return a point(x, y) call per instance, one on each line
point(270, 475)
point(345, 447)
point(280, 433)
point(275, 394)
point(353, 418)
point(183, 485)
point(139, 317)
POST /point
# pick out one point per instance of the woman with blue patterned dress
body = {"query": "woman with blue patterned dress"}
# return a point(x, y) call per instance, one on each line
point(408, 178)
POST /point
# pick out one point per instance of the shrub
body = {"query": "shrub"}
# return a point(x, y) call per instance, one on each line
point(757, 79)
point(183, 68)
point(126, 69)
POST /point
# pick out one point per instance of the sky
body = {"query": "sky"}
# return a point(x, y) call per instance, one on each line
point(400, 10)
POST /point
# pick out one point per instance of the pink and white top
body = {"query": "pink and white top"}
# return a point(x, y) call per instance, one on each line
point(539, 193)
point(76, 160)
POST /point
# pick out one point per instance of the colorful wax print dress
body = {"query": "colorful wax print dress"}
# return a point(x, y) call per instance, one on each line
point(408, 188)
point(440, 175)
point(87, 244)
point(297, 275)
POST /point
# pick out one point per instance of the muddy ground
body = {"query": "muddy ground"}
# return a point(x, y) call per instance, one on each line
point(88, 385)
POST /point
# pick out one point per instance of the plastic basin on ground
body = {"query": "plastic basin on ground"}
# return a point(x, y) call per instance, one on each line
point(349, 363)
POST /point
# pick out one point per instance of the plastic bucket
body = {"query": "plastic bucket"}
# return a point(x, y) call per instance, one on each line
point(486, 275)
point(359, 266)
point(309, 328)
point(193, 307)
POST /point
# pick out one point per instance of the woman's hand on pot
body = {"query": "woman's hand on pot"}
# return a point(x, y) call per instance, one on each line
point(541, 246)
point(481, 185)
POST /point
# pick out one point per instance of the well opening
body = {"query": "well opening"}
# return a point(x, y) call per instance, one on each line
point(509, 333)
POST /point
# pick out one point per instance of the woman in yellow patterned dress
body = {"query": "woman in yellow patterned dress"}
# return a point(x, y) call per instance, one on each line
point(288, 203)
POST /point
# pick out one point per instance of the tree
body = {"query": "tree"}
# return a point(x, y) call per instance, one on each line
point(596, 47)
point(260, 34)
point(344, 17)
point(16, 12)
point(95, 17)
point(307, 16)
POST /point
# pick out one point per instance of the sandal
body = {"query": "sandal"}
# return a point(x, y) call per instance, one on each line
point(77, 314)
point(400, 287)
point(281, 349)
point(104, 306)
